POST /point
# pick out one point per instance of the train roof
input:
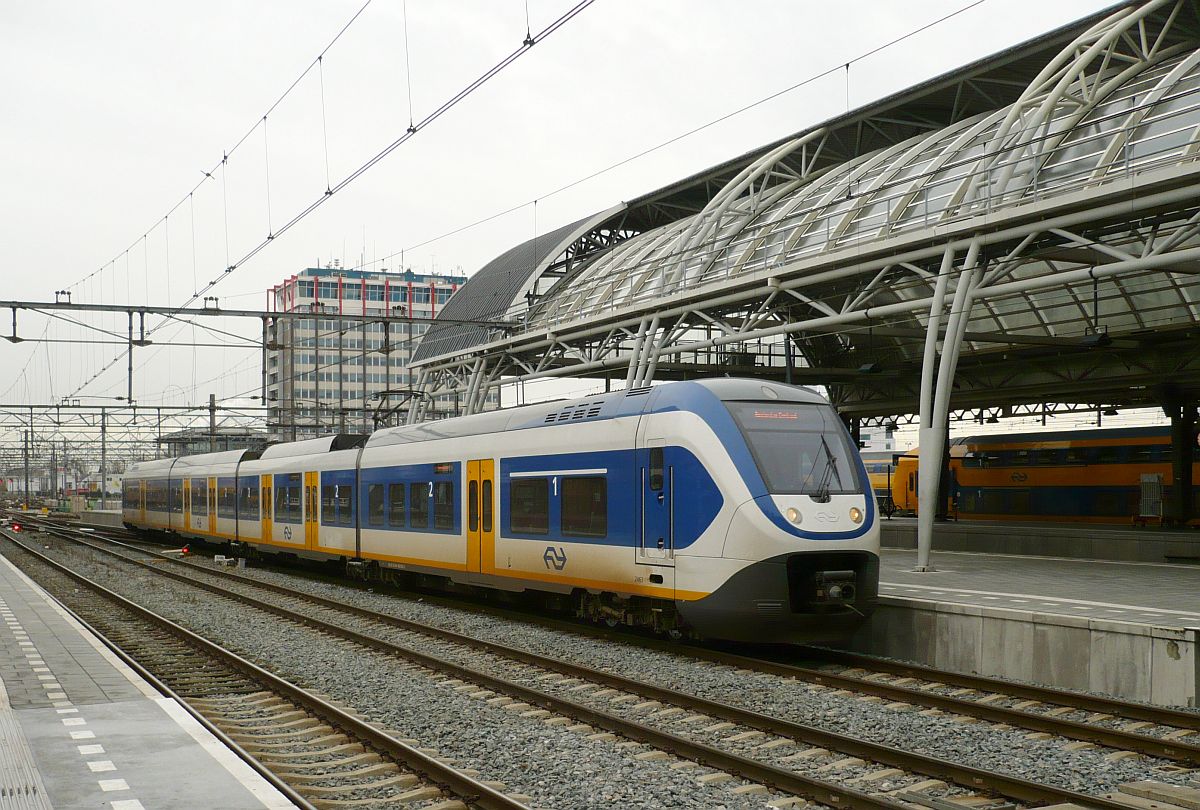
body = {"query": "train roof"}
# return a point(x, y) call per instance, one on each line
point(1085, 434)
point(680, 395)
point(308, 447)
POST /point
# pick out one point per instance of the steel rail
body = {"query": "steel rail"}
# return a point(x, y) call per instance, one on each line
point(1160, 715)
point(1153, 746)
point(966, 776)
point(470, 790)
point(1177, 750)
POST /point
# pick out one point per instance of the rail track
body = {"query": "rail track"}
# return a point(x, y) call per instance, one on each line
point(320, 754)
point(740, 724)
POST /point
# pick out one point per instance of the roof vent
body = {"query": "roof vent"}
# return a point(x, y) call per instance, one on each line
point(637, 392)
point(570, 413)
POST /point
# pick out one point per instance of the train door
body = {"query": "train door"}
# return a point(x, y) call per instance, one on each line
point(657, 545)
point(265, 491)
point(481, 528)
point(141, 503)
point(312, 509)
point(212, 505)
point(187, 504)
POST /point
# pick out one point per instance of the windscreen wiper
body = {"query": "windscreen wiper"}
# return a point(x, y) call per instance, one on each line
point(827, 474)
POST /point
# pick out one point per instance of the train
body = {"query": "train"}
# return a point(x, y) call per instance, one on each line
point(728, 509)
point(1093, 476)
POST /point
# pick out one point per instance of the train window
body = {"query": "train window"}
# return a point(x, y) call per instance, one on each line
point(1143, 454)
point(487, 505)
point(287, 498)
point(585, 507)
point(1076, 455)
point(1020, 458)
point(473, 506)
point(329, 503)
point(443, 504)
point(529, 506)
point(248, 499)
point(227, 500)
point(656, 468)
point(1107, 455)
point(396, 506)
point(799, 448)
point(375, 504)
point(345, 503)
point(418, 505)
point(200, 497)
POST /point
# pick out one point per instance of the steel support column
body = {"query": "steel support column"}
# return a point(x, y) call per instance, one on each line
point(935, 411)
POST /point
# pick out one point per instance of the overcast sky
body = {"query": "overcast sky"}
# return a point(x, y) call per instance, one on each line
point(112, 111)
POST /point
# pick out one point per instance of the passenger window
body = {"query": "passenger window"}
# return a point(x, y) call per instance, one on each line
point(375, 504)
point(328, 503)
point(529, 506)
point(227, 502)
point(473, 506)
point(199, 497)
point(418, 506)
point(585, 507)
point(487, 505)
point(345, 503)
point(656, 468)
point(443, 505)
point(396, 506)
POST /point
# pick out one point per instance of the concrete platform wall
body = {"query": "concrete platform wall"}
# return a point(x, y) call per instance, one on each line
point(1080, 541)
point(101, 518)
point(1131, 661)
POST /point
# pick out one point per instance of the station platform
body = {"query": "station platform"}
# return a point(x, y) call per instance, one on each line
point(1093, 541)
point(1128, 629)
point(80, 729)
point(1163, 595)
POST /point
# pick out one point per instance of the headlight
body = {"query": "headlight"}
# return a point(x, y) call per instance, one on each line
point(793, 514)
point(856, 514)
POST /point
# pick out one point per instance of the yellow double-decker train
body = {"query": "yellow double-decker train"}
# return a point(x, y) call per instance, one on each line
point(1079, 476)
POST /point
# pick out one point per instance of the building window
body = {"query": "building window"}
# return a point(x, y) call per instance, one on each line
point(585, 507)
point(327, 289)
point(529, 506)
point(304, 289)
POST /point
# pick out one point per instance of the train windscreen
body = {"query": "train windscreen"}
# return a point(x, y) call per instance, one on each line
point(800, 449)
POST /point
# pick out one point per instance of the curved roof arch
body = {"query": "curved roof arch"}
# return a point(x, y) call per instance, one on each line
point(1086, 119)
point(501, 290)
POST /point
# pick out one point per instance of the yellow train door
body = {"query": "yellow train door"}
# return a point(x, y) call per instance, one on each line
point(312, 509)
point(212, 505)
point(265, 494)
point(187, 504)
point(481, 523)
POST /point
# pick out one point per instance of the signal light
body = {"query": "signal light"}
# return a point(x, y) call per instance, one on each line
point(16, 527)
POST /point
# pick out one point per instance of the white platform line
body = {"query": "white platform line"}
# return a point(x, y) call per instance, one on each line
point(1061, 602)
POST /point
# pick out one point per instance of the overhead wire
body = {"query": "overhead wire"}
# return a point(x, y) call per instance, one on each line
point(368, 164)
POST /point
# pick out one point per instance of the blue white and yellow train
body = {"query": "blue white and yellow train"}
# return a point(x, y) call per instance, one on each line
point(731, 509)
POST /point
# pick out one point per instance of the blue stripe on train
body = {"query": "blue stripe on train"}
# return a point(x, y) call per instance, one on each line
point(698, 500)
